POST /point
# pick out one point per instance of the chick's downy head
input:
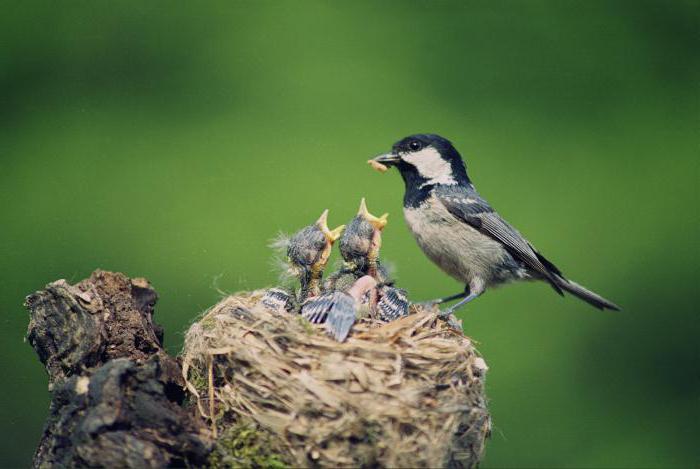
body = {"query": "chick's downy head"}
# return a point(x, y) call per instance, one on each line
point(310, 247)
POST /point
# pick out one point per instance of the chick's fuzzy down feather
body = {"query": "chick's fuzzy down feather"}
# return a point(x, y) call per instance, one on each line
point(279, 263)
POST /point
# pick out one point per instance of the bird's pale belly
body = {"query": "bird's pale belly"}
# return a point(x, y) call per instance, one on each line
point(457, 248)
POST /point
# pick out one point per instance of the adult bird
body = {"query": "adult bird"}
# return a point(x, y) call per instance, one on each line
point(459, 231)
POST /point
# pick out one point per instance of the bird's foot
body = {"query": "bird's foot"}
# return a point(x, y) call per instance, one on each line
point(448, 316)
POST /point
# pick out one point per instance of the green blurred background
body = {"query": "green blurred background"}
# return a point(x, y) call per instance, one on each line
point(172, 140)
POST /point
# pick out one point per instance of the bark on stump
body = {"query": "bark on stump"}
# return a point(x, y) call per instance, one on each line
point(116, 394)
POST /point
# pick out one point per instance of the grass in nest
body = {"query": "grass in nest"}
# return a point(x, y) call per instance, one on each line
point(207, 323)
point(197, 380)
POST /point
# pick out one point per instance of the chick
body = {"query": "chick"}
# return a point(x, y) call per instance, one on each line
point(338, 309)
point(359, 246)
point(307, 255)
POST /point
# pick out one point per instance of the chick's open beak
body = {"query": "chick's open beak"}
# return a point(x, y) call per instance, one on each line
point(331, 235)
point(378, 222)
point(382, 162)
point(334, 234)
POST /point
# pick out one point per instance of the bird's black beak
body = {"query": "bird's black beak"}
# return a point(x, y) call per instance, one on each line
point(383, 162)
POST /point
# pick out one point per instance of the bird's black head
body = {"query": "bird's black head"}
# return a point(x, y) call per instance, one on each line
point(425, 160)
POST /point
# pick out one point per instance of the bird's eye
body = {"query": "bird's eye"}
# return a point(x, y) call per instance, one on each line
point(415, 145)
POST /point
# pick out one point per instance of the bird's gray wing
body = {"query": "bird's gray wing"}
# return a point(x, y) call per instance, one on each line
point(341, 317)
point(316, 309)
point(277, 299)
point(472, 209)
point(393, 303)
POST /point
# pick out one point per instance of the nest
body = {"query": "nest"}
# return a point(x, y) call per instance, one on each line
point(408, 393)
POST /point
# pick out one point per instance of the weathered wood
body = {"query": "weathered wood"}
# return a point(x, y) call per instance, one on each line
point(116, 394)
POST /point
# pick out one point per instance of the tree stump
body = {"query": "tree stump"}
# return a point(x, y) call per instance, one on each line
point(116, 394)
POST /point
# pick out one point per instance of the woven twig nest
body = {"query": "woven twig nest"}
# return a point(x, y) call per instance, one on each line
point(409, 393)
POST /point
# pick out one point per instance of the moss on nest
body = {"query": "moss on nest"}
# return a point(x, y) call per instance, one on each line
point(245, 445)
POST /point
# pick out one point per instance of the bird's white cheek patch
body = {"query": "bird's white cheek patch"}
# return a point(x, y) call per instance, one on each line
point(431, 166)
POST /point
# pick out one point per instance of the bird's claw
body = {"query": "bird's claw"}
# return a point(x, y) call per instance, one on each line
point(448, 316)
point(452, 321)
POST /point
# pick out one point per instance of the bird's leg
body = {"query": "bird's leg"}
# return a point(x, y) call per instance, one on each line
point(439, 301)
point(456, 296)
point(473, 290)
point(458, 305)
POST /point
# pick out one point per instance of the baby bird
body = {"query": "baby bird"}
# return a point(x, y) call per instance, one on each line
point(338, 309)
point(359, 246)
point(307, 255)
point(360, 243)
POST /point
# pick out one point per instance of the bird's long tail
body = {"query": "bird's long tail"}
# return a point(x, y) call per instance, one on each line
point(585, 294)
